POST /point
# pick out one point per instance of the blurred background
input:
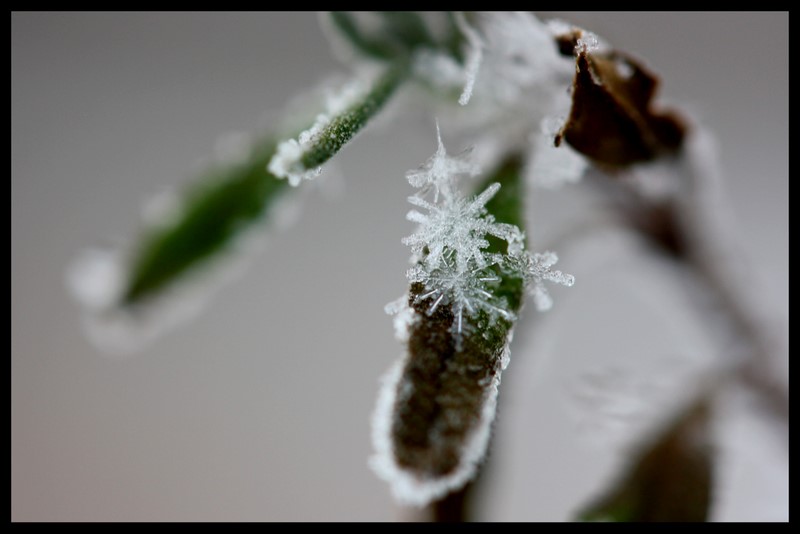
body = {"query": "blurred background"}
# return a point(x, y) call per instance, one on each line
point(259, 409)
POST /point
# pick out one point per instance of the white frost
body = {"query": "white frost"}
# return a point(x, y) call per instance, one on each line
point(404, 317)
point(407, 487)
point(440, 170)
point(474, 56)
point(450, 241)
point(287, 161)
point(535, 269)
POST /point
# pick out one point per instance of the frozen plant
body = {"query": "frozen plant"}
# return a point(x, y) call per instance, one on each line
point(450, 246)
point(544, 104)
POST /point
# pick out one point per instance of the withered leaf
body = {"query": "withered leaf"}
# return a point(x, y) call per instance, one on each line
point(612, 119)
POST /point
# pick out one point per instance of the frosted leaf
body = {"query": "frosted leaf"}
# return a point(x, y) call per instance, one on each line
point(451, 241)
point(404, 317)
point(98, 278)
point(519, 53)
point(287, 161)
point(440, 171)
point(408, 487)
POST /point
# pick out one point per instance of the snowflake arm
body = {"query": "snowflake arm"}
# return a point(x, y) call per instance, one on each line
point(535, 269)
point(440, 171)
point(459, 225)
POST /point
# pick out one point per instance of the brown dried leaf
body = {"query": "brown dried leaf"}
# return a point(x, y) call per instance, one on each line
point(612, 120)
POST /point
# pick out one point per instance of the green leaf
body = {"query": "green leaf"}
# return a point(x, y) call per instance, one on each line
point(229, 199)
point(218, 207)
point(345, 125)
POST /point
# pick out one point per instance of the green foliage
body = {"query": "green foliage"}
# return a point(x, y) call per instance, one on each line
point(215, 209)
point(344, 126)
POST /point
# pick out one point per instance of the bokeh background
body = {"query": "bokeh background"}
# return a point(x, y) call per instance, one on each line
point(259, 409)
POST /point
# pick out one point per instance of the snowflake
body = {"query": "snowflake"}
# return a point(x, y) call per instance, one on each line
point(459, 225)
point(450, 242)
point(440, 170)
point(466, 292)
point(535, 269)
point(450, 245)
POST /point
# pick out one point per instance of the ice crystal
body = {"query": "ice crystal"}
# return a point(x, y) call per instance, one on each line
point(451, 241)
point(466, 292)
point(535, 269)
point(457, 225)
point(519, 53)
point(521, 79)
point(440, 171)
point(474, 56)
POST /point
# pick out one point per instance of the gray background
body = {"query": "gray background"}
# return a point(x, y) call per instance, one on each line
point(259, 409)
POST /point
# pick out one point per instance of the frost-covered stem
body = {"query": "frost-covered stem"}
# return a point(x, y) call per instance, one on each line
point(347, 113)
point(343, 127)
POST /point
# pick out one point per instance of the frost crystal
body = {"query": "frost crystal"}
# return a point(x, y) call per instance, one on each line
point(520, 53)
point(440, 170)
point(450, 245)
point(457, 226)
point(288, 159)
point(474, 56)
point(535, 269)
point(450, 242)
point(466, 292)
